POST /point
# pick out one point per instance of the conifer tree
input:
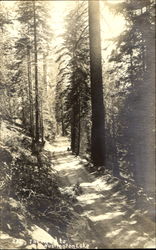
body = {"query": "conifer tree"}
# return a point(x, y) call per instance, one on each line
point(74, 71)
point(33, 44)
point(135, 79)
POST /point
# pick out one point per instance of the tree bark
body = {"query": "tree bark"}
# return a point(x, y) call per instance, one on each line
point(73, 129)
point(98, 113)
point(79, 124)
point(116, 171)
point(62, 119)
point(37, 135)
point(30, 94)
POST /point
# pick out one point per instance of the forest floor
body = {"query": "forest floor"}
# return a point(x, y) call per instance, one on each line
point(102, 214)
point(106, 219)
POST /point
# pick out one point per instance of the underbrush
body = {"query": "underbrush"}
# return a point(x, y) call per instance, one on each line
point(35, 184)
point(31, 180)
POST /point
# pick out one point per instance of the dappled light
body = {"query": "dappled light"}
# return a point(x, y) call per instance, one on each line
point(114, 233)
point(106, 216)
point(89, 198)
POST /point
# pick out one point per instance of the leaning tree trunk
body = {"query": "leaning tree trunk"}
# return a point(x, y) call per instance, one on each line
point(98, 113)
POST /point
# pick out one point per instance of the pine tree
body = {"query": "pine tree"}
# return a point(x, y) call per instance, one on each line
point(35, 33)
point(132, 58)
point(6, 59)
point(74, 69)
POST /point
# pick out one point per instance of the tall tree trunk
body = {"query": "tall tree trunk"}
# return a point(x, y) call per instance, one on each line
point(98, 113)
point(30, 94)
point(62, 119)
point(45, 72)
point(116, 171)
point(79, 124)
point(73, 130)
point(41, 119)
point(43, 95)
point(37, 135)
point(23, 108)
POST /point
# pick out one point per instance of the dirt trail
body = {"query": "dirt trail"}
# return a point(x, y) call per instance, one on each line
point(105, 219)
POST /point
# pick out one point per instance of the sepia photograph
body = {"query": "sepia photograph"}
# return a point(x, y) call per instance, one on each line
point(77, 124)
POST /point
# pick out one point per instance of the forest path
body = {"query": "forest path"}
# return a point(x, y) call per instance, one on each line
point(105, 219)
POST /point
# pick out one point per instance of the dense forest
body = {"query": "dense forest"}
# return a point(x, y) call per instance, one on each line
point(77, 124)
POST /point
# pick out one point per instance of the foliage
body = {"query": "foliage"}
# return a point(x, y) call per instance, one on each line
point(18, 69)
point(73, 85)
point(128, 107)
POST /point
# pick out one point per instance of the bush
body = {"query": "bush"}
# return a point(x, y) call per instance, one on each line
point(5, 170)
point(31, 177)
